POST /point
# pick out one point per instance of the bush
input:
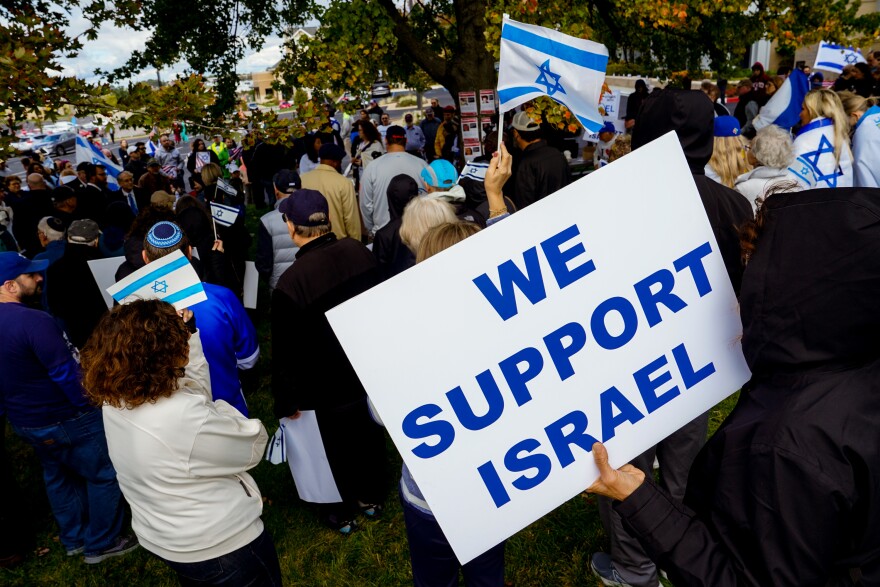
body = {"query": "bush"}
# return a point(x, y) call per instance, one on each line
point(406, 101)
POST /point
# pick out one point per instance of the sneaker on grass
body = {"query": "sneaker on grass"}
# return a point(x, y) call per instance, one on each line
point(122, 545)
point(603, 567)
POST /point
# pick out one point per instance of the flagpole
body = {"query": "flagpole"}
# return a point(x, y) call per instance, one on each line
point(214, 224)
point(500, 110)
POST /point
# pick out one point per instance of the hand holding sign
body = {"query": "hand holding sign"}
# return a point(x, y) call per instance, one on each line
point(614, 483)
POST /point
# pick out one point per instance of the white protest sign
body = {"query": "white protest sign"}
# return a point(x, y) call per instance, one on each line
point(104, 272)
point(600, 313)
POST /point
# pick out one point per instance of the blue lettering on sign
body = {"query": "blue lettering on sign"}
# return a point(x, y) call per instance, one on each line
point(531, 283)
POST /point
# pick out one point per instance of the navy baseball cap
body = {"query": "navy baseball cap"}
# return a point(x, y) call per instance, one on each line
point(14, 264)
point(301, 204)
point(286, 181)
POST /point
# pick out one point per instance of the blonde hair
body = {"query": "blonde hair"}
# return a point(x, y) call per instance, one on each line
point(824, 103)
point(421, 215)
point(211, 172)
point(444, 236)
point(729, 159)
point(853, 103)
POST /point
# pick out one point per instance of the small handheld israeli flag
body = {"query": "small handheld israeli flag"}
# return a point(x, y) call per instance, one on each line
point(833, 57)
point(88, 152)
point(536, 61)
point(276, 451)
point(171, 279)
point(224, 215)
point(151, 148)
point(784, 107)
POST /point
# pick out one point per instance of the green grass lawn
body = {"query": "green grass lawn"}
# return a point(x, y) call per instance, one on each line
point(553, 551)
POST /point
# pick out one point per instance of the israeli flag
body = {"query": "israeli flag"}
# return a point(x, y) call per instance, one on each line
point(536, 61)
point(834, 57)
point(815, 165)
point(151, 148)
point(866, 150)
point(784, 107)
point(224, 215)
point(171, 279)
point(88, 152)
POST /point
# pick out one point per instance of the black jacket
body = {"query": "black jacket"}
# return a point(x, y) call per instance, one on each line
point(310, 371)
point(541, 171)
point(787, 492)
point(391, 254)
point(72, 293)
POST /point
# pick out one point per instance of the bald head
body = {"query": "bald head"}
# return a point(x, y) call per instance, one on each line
point(35, 181)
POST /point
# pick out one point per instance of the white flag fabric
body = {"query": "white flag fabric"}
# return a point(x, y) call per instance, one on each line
point(866, 150)
point(88, 152)
point(171, 279)
point(536, 61)
point(151, 148)
point(784, 107)
point(223, 215)
point(815, 165)
point(833, 57)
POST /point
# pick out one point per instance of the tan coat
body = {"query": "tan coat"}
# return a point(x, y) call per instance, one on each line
point(345, 220)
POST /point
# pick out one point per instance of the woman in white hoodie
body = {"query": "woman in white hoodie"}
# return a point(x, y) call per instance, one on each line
point(770, 153)
point(180, 458)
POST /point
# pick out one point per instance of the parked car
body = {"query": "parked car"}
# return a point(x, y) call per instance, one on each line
point(253, 107)
point(381, 89)
point(285, 104)
point(55, 144)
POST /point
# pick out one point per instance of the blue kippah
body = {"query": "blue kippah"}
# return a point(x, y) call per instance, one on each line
point(164, 234)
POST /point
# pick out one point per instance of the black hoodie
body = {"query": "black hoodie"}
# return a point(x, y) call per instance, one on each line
point(392, 255)
point(691, 116)
point(787, 492)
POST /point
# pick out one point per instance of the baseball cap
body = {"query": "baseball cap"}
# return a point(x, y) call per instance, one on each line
point(440, 174)
point(132, 149)
point(395, 132)
point(331, 151)
point(286, 181)
point(14, 264)
point(449, 108)
point(522, 121)
point(83, 231)
point(152, 162)
point(726, 126)
point(608, 127)
point(303, 203)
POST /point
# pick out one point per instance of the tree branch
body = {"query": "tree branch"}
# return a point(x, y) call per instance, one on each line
point(433, 64)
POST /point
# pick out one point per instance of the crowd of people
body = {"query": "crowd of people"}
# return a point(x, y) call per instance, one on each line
point(141, 407)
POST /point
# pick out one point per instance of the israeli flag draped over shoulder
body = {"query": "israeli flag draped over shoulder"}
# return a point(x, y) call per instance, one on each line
point(784, 107)
point(833, 57)
point(88, 152)
point(815, 165)
point(171, 279)
point(866, 150)
point(536, 61)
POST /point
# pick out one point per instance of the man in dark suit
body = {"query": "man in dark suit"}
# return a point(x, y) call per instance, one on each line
point(135, 197)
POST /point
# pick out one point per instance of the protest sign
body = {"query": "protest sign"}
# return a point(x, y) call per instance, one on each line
point(251, 277)
point(104, 272)
point(467, 102)
point(487, 101)
point(582, 318)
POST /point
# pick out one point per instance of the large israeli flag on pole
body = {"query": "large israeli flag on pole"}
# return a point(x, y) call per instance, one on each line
point(171, 279)
point(784, 107)
point(833, 57)
point(536, 61)
point(88, 152)
point(866, 150)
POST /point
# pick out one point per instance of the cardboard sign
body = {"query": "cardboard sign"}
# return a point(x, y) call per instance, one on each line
point(581, 318)
point(609, 107)
point(104, 272)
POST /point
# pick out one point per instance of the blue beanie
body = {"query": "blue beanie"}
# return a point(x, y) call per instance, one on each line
point(727, 126)
point(164, 235)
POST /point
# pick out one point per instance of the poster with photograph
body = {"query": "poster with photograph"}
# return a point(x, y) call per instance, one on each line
point(470, 129)
point(487, 101)
point(467, 103)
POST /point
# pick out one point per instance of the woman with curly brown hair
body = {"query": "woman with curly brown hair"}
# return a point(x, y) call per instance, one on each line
point(181, 458)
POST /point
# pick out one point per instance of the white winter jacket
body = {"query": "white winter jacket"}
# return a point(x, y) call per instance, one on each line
point(181, 465)
point(756, 182)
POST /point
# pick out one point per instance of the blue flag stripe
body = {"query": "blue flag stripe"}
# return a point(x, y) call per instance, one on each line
point(508, 94)
point(816, 124)
point(184, 293)
point(152, 276)
point(830, 64)
point(554, 48)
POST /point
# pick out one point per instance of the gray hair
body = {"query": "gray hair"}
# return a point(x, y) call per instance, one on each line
point(51, 233)
point(773, 147)
point(421, 215)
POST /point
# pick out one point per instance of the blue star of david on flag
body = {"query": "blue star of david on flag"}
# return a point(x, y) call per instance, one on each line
point(546, 75)
point(851, 58)
point(160, 286)
point(825, 148)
